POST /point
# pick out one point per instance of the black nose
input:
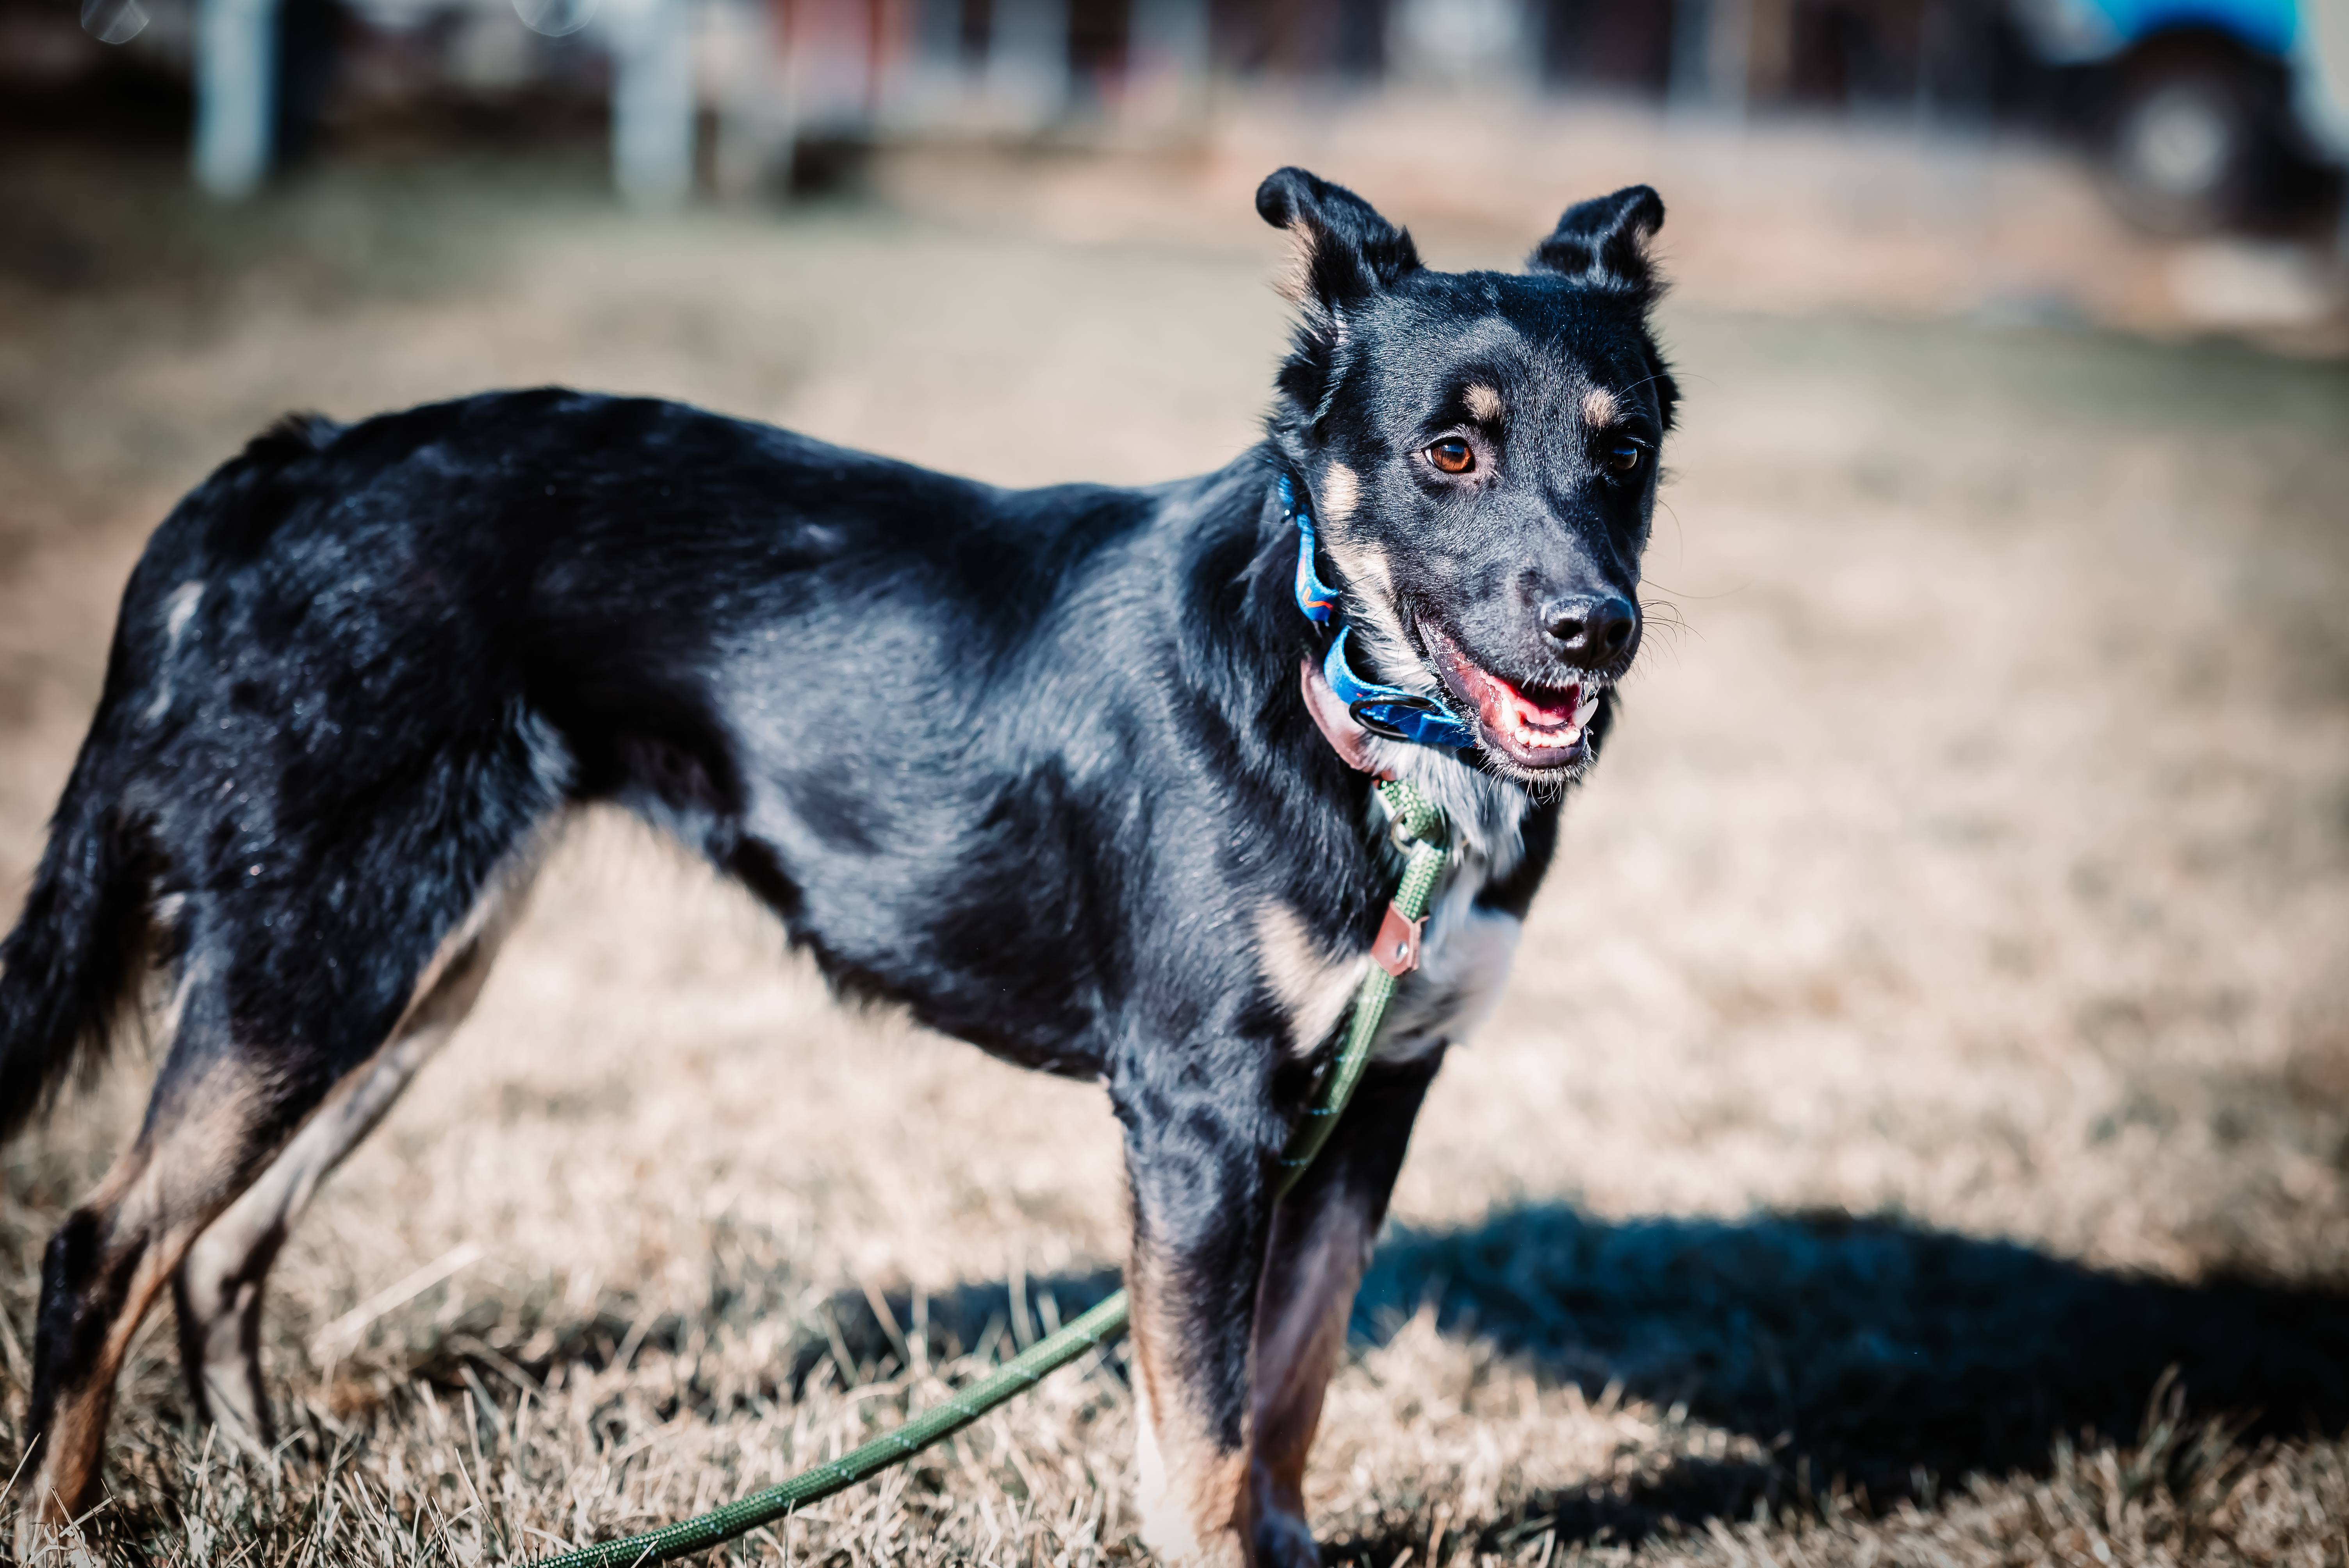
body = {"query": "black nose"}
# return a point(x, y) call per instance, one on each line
point(1590, 630)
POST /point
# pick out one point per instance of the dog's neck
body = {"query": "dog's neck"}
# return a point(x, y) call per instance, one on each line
point(1487, 814)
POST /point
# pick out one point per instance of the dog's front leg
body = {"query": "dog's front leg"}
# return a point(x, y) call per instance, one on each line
point(1198, 1166)
point(1321, 1243)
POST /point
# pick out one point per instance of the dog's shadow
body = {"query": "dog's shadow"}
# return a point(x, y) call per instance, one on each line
point(1866, 1354)
point(1876, 1353)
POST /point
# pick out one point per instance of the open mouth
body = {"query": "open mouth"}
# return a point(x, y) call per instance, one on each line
point(1535, 727)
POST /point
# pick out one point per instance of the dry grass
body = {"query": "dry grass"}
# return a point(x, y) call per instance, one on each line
point(1936, 1029)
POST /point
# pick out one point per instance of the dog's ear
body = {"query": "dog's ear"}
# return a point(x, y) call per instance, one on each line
point(1345, 254)
point(1604, 241)
point(1345, 250)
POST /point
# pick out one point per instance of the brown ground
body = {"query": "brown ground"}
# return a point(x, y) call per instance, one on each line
point(1937, 1024)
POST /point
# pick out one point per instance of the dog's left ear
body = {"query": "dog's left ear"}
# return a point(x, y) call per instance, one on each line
point(1604, 241)
point(1345, 250)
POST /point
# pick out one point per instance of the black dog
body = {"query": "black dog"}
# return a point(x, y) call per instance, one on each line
point(1065, 772)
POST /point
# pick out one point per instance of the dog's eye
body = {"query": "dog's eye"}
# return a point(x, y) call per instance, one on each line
point(1454, 456)
point(1620, 457)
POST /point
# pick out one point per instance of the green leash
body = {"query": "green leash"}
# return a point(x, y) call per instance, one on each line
point(1417, 825)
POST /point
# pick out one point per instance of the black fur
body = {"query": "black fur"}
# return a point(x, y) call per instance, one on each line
point(1029, 764)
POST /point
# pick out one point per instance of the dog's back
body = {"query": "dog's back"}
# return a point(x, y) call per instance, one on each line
point(387, 654)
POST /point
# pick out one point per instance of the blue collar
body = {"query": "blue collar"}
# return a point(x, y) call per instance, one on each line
point(1381, 709)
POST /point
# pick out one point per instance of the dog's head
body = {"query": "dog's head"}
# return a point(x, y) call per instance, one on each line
point(1480, 450)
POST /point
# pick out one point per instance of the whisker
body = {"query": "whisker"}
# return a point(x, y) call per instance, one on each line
point(1701, 598)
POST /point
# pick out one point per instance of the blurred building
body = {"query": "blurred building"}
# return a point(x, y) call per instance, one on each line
point(738, 84)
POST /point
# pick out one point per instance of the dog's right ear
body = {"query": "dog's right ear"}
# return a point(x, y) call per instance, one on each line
point(1604, 241)
point(1345, 250)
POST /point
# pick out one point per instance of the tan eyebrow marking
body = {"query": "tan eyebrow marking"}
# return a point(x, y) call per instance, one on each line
point(1598, 407)
point(1483, 403)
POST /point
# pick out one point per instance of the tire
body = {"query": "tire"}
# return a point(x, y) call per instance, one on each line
point(2188, 143)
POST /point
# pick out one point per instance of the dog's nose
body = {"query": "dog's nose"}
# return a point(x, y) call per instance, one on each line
point(1590, 630)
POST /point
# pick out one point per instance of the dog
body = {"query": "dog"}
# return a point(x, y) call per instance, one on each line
point(1081, 775)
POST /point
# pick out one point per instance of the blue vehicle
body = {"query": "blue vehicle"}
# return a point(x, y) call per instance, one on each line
point(2208, 113)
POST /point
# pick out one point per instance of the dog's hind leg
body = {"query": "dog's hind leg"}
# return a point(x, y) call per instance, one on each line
point(1322, 1238)
point(217, 1289)
point(220, 1111)
point(254, 1055)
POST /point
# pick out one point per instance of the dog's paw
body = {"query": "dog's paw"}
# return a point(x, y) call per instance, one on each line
point(1176, 1536)
point(1191, 1497)
point(1283, 1540)
point(1181, 1546)
point(46, 1533)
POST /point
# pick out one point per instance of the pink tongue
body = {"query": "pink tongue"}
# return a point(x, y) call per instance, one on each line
point(1518, 711)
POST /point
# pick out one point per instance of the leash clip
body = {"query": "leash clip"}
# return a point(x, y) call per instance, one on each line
point(1416, 819)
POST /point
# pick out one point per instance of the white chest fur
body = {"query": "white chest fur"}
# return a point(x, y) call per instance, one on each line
point(1464, 949)
point(1463, 963)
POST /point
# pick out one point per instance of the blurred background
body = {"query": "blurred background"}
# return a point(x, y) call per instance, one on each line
point(1917, 1129)
point(2013, 157)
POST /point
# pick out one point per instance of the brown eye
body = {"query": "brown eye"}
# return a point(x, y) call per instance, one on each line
point(1621, 456)
point(1452, 456)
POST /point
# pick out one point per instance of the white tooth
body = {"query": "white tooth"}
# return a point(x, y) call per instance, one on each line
point(1586, 710)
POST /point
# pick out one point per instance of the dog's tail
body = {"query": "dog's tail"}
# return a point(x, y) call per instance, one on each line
point(77, 945)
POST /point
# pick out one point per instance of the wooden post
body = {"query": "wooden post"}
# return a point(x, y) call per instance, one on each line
point(755, 94)
point(1027, 62)
point(1711, 55)
point(652, 102)
point(1166, 71)
point(236, 95)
